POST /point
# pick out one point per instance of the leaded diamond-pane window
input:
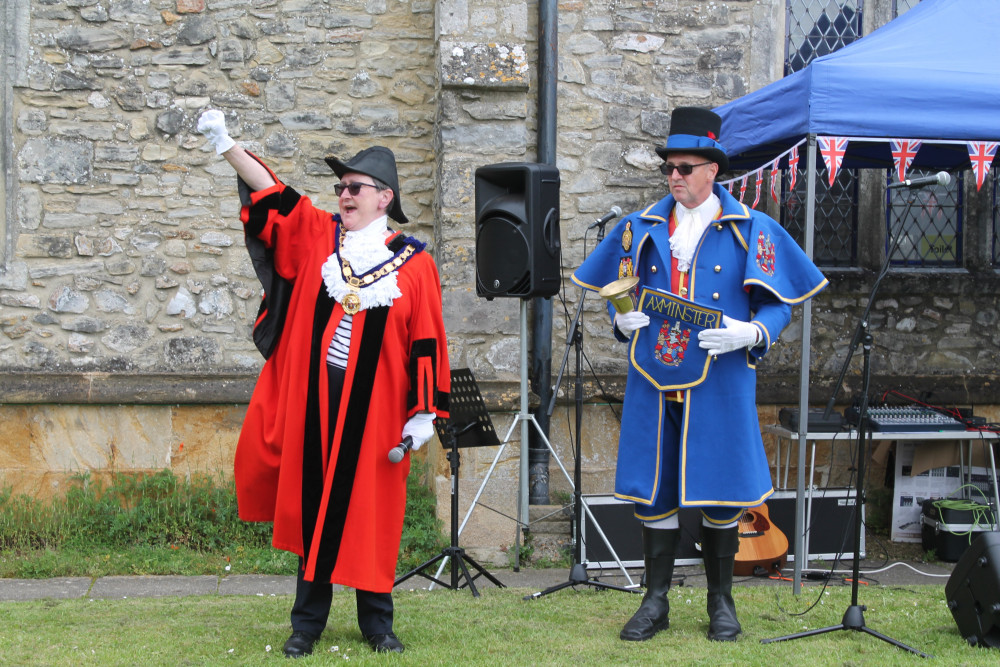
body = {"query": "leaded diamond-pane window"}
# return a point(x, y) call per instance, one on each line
point(928, 222)
point(815, 28)
point(836, 219)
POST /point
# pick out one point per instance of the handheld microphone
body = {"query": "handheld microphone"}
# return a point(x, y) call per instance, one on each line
point(397, 453)
point(940, 178)
point(610, 215)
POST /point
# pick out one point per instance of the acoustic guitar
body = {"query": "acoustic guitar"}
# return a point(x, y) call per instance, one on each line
point(762, 544)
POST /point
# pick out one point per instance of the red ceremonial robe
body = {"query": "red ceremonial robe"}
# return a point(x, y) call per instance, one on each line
point(339, 506)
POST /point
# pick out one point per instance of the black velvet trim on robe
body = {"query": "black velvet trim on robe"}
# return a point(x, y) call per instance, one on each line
point(277, 291)
point(352, 434)
point(312, 443)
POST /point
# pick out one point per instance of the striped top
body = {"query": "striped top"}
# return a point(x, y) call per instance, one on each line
point(336, 354)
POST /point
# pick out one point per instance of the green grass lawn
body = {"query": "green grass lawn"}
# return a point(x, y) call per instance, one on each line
point(443, 627)
point(159, 524)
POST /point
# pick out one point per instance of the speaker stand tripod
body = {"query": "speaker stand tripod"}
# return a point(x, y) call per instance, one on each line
point(477, 430)
point(524, 418)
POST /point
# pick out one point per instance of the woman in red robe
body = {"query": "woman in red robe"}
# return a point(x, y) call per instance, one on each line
point(357, 361)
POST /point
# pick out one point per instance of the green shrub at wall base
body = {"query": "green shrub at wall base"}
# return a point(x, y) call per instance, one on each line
point(161, 524)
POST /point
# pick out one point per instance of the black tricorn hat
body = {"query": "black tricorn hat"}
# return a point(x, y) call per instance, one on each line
point(696, 131)
point(379, 163)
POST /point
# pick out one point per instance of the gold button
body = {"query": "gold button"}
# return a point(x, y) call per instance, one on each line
point(715, 296)
point(718, 226)
point(718, 268)
point(684, 291)
point(653, 269)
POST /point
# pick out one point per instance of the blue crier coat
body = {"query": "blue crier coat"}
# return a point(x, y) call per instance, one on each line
point(750, 268)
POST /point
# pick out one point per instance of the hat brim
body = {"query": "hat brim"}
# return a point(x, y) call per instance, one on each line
point(713, 154)
point(340, 169)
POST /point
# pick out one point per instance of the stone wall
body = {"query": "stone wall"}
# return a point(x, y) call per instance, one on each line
point(126, 297)
point(127, 251)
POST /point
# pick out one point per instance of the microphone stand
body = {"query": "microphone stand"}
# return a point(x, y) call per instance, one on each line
point(854, 618)
point(578, 572)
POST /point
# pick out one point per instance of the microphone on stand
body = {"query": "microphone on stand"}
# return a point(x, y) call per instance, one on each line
point(940, 178)
point(397, 453)
point(610, 215)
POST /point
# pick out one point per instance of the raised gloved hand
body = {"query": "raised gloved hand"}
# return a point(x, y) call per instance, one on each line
point(212, 124)
point(736, 334)
point(420, 428)
point(629, 322)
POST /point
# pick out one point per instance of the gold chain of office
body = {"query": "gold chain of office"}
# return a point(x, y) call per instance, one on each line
point(351, 302)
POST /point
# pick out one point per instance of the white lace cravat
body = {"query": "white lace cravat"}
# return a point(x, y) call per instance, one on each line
point(364, 249)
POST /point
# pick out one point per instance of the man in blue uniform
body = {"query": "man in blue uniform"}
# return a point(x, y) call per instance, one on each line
point(717, 281)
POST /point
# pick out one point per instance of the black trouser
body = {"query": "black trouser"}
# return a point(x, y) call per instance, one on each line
point(312, 608)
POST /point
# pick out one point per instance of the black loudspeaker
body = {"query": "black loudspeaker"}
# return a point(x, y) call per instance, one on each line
point(517, 230)
point(973, 591)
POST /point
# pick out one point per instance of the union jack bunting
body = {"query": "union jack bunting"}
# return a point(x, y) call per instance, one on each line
point(982, 153)
point(729, 186)
point(760, 181)
point(793, 166)
point(903, 152)
point(775, 180)
point(832, 149)
point(743, 187)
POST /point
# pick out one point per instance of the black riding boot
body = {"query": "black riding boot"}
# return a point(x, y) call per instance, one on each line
point(659, 548)
point(718, 549)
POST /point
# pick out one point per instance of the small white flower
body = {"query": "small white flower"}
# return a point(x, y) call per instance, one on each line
point(268, 648)
point(228, 567)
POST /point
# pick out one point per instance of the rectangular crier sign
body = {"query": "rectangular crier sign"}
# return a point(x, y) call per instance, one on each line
point(666, 352)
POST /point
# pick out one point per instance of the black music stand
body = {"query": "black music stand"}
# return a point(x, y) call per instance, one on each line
point(468, 426)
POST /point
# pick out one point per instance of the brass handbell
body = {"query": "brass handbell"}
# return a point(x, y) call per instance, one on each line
point(620, 293)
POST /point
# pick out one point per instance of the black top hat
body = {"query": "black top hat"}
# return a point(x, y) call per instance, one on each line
point(379, 163)
point(695, 130)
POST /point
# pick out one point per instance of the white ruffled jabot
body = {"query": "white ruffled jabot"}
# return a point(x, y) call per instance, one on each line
point(364, 249)
point(691, 224)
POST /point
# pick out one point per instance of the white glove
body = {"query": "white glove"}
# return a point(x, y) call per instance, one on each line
point(212, 124)
point(736, 334)
point(420, 428)
point(629, 322)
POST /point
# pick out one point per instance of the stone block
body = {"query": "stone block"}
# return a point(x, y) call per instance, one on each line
point(493, 65)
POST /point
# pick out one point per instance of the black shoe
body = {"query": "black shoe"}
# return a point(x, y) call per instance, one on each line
point(652, 616)
point(300, 644)
point(387, 643)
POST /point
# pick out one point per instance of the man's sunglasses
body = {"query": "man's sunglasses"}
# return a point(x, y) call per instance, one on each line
point(683, 169)
point(353, 188)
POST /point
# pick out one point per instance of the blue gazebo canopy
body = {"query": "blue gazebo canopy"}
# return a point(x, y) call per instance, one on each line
point(930, 74)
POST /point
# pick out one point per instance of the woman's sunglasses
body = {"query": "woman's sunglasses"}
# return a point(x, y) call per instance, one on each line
point(353, 188)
